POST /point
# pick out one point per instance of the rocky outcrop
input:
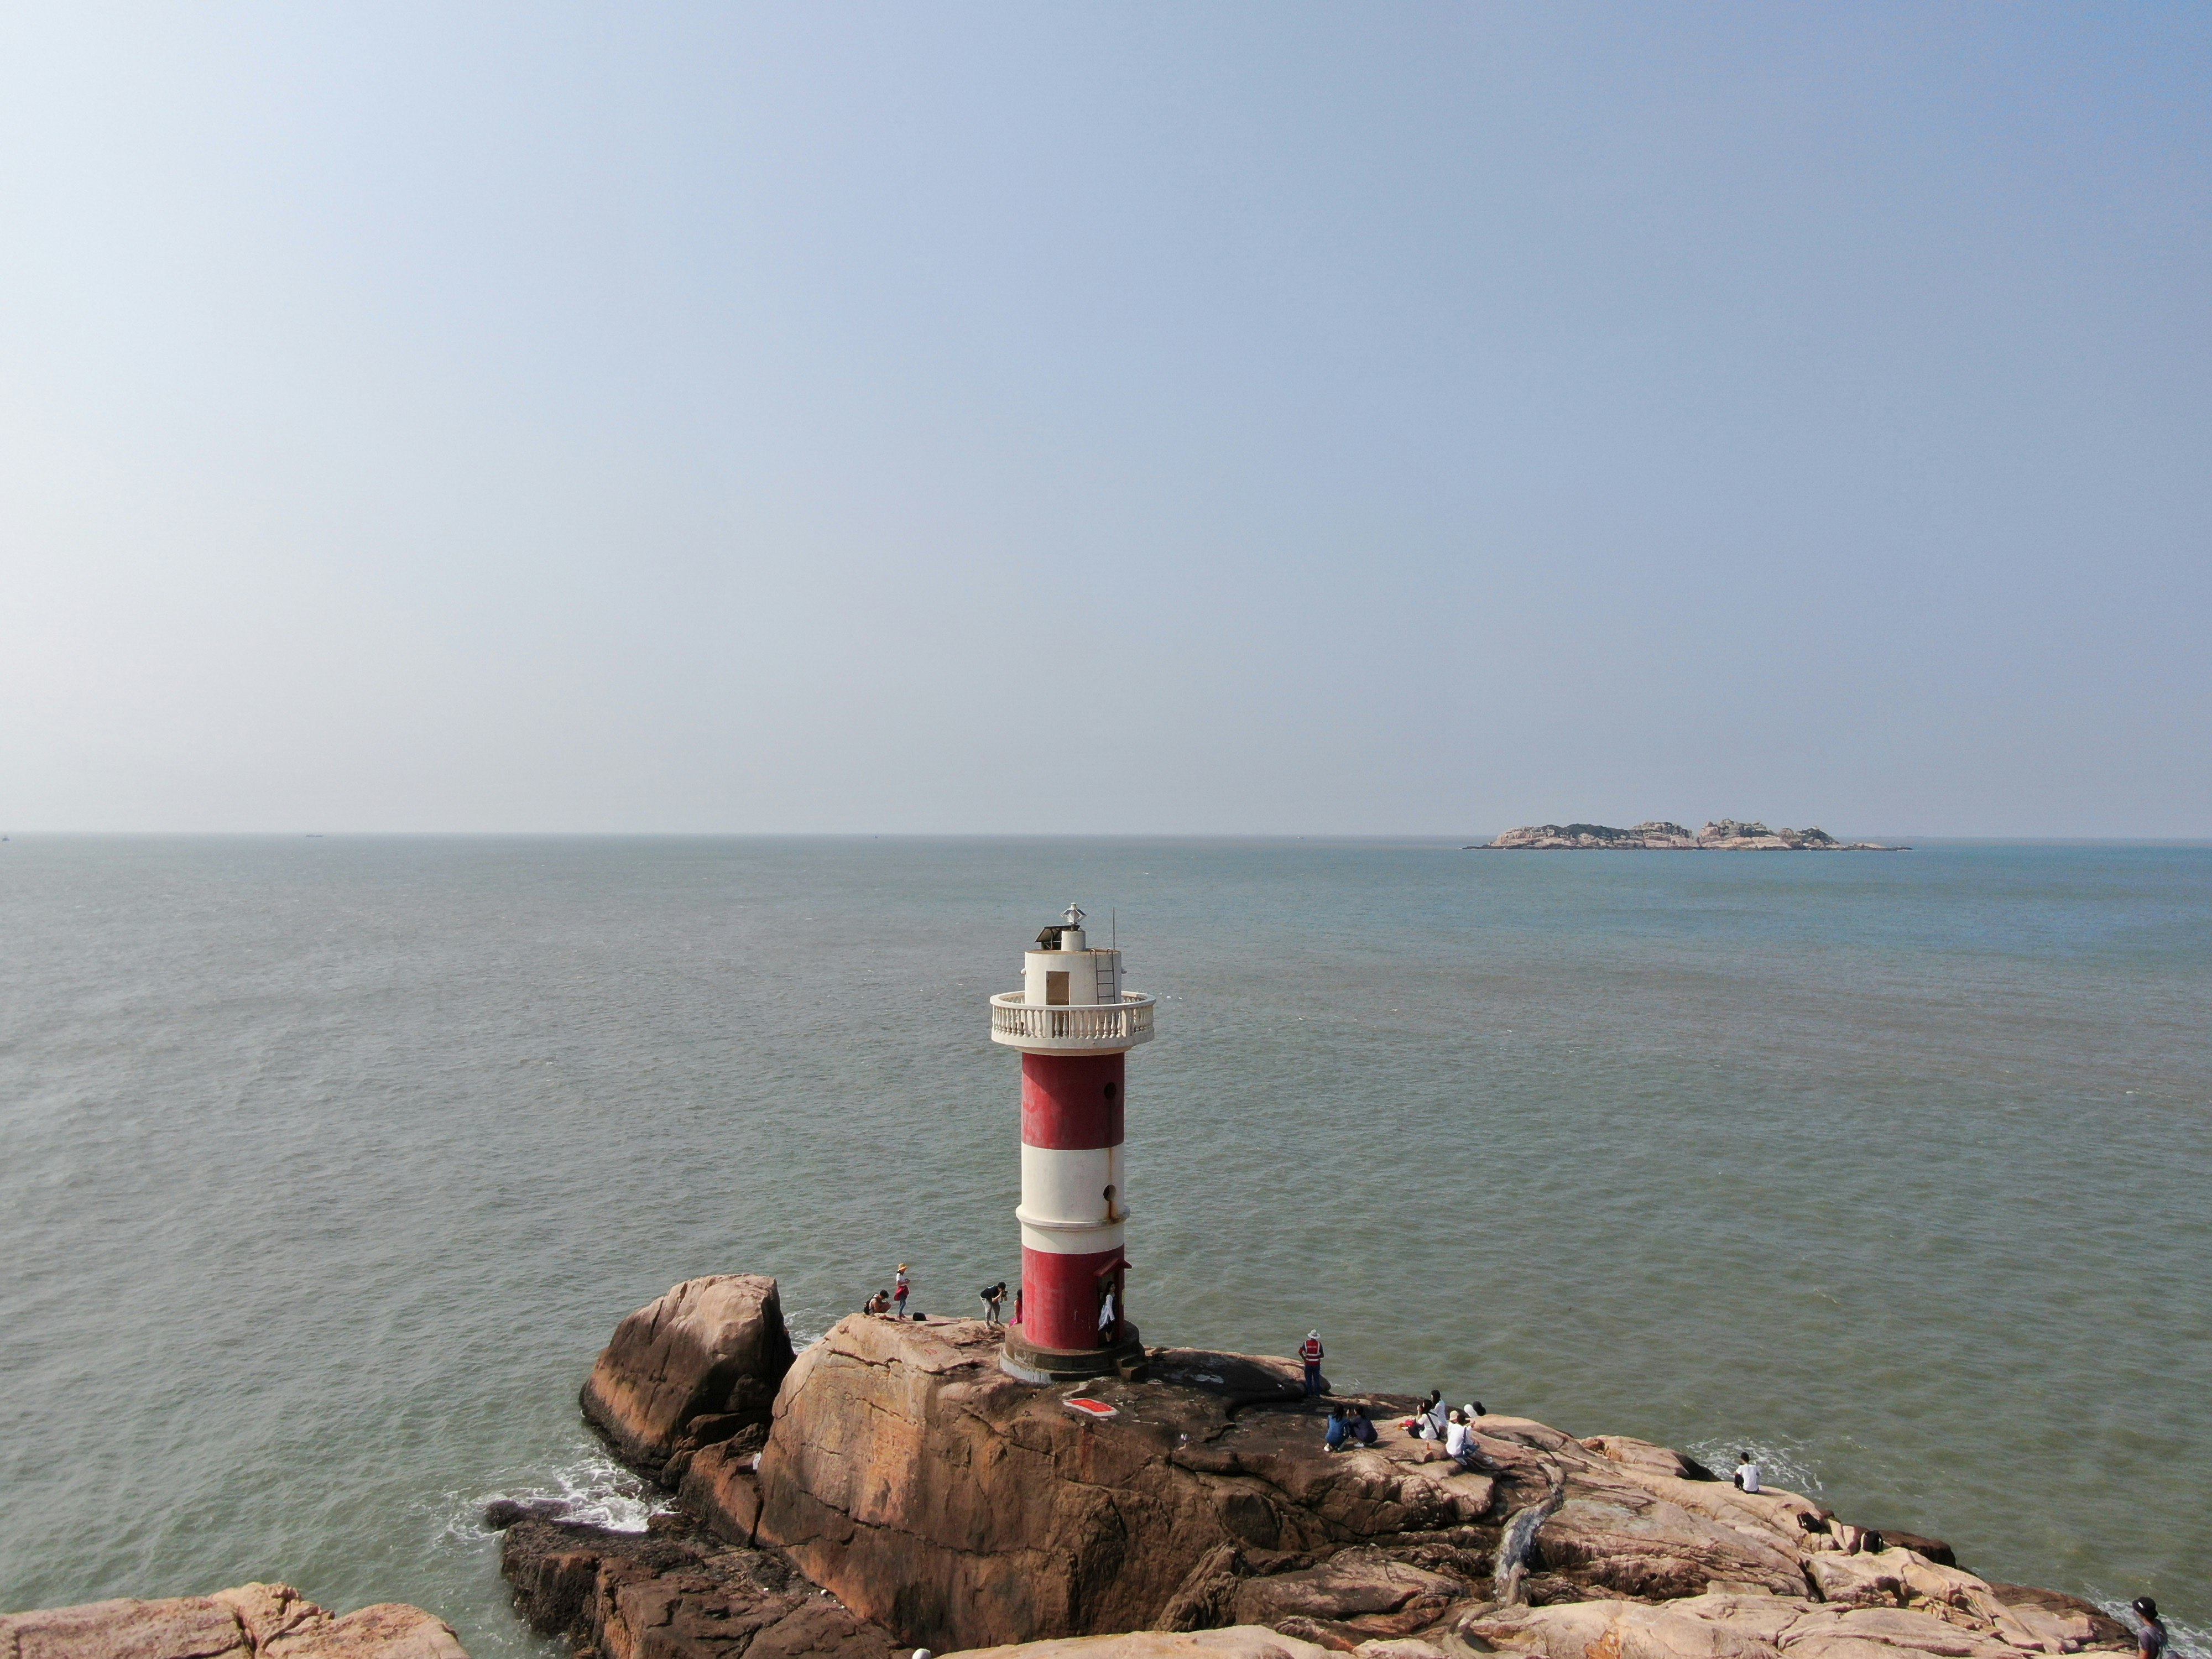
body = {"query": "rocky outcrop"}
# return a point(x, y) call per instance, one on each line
point(942, 1503)
point(1730, 1626)
point(672, 1593)
point(1723, 834)
point(1239, 1642)
point(254, 1621)
point(935, 1494)
point(931, 1491)
point(1651, 835)
point(697, 1367)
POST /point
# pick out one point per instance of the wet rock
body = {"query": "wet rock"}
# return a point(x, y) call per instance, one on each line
point(661, 1595)
point(254, 1621)
point(690, 1369)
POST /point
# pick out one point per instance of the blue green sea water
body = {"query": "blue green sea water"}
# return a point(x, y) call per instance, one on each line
point(327, 1164)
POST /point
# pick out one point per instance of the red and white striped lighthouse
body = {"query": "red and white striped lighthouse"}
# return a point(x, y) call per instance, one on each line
point(1074, 1025)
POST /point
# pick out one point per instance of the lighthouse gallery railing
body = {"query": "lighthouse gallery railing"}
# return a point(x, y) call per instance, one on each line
point(1013, 1017)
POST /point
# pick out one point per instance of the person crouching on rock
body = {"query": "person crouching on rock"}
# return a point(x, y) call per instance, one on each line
point(879, 1304)
point(1339, 1430)
point(2150, 1633)
point(1357, 1426)
point(1747, 1474)
point(1310, 1355)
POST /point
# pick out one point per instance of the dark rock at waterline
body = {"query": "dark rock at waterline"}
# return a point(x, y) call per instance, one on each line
point(690, 1369)
point(661, 1594)
point(503, 1512)
point(1934, 1549)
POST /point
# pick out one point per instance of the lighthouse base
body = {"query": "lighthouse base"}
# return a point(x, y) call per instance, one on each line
point(1028, 1363)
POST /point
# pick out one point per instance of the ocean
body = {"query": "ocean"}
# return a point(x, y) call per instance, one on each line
point(327, 1164)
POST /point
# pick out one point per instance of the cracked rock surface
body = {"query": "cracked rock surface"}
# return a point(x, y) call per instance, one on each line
point(254, 1621)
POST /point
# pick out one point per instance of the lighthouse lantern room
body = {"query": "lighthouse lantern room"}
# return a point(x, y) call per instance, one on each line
point(1074, 1025)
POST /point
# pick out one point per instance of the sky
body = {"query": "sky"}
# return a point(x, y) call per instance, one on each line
point(1268, 419)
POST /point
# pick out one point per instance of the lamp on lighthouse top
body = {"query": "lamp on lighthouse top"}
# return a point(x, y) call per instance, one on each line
point(1072, 1001)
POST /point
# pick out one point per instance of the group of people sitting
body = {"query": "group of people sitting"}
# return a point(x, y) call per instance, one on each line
point(1454, 1426)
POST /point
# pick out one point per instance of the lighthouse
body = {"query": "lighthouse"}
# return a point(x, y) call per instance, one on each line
point(1074, 1026)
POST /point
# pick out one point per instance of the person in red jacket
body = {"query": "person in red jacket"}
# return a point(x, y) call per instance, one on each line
point(1310, 1355)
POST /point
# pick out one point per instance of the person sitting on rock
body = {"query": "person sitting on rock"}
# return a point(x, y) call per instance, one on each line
point(2150, 1634)
point(1747, 1474)
point(1430, 1424)
point(1459, 1440)
point(879, 1303)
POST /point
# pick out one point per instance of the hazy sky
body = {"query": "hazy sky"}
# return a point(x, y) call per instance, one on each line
point(1365, 419)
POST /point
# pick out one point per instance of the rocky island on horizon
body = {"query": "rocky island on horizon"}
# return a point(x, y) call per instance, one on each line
point(1658, 835)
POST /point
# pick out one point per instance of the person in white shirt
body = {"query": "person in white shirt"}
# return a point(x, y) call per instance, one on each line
point(1747, 1474)
point(1432, 1416)
point(1459, 1442)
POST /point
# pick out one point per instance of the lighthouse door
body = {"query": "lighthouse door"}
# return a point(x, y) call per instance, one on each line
point(1055, 988)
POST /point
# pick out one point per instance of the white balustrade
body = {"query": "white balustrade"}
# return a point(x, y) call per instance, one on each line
point(1023, 1024)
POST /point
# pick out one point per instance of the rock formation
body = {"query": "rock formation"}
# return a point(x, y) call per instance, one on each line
point(940, 1503)
point(1723, 835)
point(254, 1621)
point(674, 1594)
point(697, 1367)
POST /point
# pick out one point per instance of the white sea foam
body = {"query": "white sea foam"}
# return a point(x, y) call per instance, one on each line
point(591, 1487)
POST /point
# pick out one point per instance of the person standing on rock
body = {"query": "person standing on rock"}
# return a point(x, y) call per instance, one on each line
point(899, 1289)
point(1747, 1474)
point(1310, 1355)
point(2150, 1633)
point(993, 1296)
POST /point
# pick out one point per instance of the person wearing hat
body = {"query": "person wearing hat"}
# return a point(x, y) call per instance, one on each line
point(1310, 1355)
point(899, 1288)
point(2150, 1632)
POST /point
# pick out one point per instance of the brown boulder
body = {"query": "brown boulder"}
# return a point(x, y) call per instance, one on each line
point(693, 1368)
point(254, 1621)
point(1359, 1587)
point(1235, 1643)
point(933, 1492)
point(663, 1596)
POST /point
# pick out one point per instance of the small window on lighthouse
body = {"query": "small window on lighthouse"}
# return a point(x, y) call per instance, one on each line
point(1110, 1203)
point(1112, 1089)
